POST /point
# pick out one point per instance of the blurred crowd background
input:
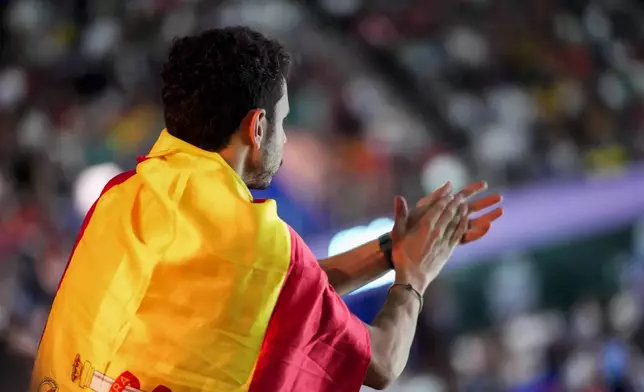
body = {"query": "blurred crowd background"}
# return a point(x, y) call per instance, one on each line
point(387, 97)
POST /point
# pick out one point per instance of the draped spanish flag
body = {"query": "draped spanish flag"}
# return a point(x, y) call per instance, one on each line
point(180, 281)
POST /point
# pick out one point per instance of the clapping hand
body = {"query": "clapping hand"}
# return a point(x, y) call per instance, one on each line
point(477, 227)
point(425, 237)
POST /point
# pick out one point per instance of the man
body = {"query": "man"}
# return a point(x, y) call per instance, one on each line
point(180, 281)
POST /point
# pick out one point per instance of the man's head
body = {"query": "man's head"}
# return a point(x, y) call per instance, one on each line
point(225, 91)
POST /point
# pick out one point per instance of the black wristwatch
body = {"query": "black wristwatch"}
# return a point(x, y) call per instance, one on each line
point(386, 247)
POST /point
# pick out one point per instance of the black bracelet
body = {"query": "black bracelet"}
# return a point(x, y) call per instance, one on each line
point(411, 288)
point(386, 247)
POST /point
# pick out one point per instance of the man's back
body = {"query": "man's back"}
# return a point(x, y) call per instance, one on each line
point(182, 282)
point(174, 281)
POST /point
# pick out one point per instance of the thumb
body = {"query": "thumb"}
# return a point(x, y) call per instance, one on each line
point(401, 214)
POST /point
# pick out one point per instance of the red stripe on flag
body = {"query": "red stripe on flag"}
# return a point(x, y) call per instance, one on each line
point(313, 342)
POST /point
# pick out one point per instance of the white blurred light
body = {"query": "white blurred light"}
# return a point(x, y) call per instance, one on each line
point(624, 313)
point(89, 184)
point(467, 46)
point(637, 365)
point(364, 97)
point(398, 132)
point(554, 325)
point(511, 287)
point(13, 87)
point(33, 130)
point(563, 156)
point(468, 355)
point(619, 56)
point(465, 110)
point(513, 106)
point(498, 146)
point(636, 76)
point(597, 23)
point(423, 383)
point(68, 151)
point(520, 369)
point(612, 91)
point(587, 320)
point(579, 371)
point(26, 15)
point(275, 15)
point(443, 168)
point(351, 238)
point(526, 334)
point(100, 38)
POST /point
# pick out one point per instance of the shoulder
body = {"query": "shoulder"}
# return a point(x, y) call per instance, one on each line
point(301, 254)
point(117, 180)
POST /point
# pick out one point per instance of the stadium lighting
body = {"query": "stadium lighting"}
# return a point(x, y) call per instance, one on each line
point(353, 237)
point(90, 183)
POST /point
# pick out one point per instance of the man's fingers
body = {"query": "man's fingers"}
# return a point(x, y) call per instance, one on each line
point(437, 215)
point(448, 214)
point(434, 235)
point(469, 191)
point(460, 218)
point(475, 234)
point(432, 239)
point(479, 226)
point(486, 218)
point(400, 207)
point(429, 219)
point(473, 189)
point(485, 202)
point(435, 196)
point(401, 214)
point(460, 232)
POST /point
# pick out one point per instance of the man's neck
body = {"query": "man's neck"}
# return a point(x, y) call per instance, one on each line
point(236, 158)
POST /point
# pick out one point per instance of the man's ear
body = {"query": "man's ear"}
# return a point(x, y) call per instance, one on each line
point(254, 128)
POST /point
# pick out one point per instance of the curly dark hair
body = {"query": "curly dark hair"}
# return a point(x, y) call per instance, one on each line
point(212, 80)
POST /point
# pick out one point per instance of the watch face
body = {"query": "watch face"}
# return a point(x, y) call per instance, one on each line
point(386, 247)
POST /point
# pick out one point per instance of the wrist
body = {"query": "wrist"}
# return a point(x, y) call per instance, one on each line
point(418, 280)
point(418, 284)
point(409, 289)
point(386, 248)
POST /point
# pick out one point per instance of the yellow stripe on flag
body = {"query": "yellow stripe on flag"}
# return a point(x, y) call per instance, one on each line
point(174, 280)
